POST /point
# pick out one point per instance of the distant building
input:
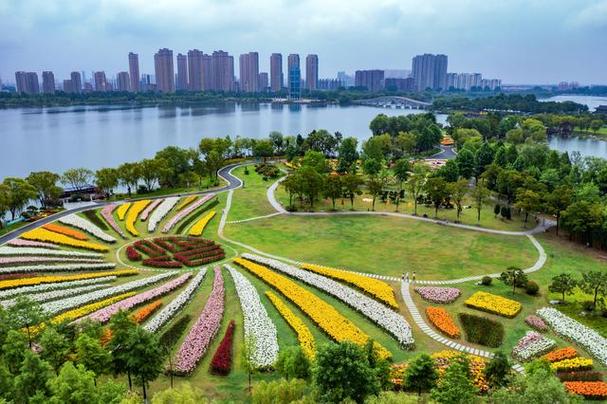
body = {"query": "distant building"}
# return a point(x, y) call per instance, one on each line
point(76, 82)
point(134, 71)
point(373, 80)
point(311, 72)
point(182, 72)
point(67, 86)
point(101, 83)
point(27, 82)
point(276, 76)
point(470, 81)
point(430, 71)
point(123, 81)
point(345, 79)
point(195, 70)
point(48, 82)
point(396, 73)
point(207, 72)
point(294, 73)
point(329, 84)
point(564, 86)
point(263, 82)
point(249, 72)
point(222, 71)
point(164, 70)
point(491, 84)
point(394, 84)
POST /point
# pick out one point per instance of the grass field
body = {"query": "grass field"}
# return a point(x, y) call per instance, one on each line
point(250, 200)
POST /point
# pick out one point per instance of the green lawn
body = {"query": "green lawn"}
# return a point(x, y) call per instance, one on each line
point(250, 200)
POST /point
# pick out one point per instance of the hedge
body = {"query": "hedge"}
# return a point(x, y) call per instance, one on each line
point(173, 333)
point(482, 330)
point(95, 219)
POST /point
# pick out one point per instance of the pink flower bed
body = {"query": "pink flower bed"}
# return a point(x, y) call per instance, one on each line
point(536, 322)
point(104, 315)
point(31, 259)
point(202, 333)
point(106, 213)
point(18, 242)
point(146, 212)
point(437, 294)
point(186, 211)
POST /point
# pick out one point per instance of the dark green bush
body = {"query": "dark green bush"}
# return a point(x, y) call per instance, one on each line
point(95, 219)
point(486, 280)
point(173, 333)
point(580, 375)
point(532, 288)
point(482, 330)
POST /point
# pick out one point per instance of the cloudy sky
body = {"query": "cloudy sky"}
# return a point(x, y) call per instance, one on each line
point(533, 41)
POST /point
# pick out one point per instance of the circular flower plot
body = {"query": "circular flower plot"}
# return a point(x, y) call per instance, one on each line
point(175, 252)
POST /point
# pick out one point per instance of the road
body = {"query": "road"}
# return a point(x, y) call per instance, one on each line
point(446, 153)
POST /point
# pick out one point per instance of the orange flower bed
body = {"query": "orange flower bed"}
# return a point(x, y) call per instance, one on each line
point(442, 320)
point(561, 354)
point(66, 231)
point(139, 316)
point(592, 390)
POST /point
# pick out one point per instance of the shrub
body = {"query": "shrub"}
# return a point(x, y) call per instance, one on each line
point(284, 391)
point(95, 219)
point(588, 305)
point(486, 281)
point(222, 360)
point(173, 333)
point(532, 288)
point(482, 330)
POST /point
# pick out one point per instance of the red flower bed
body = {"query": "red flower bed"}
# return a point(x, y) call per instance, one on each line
point(151, 262)
point(175, 251)
point(132, 254)
point(4, 277)
point(222, 360)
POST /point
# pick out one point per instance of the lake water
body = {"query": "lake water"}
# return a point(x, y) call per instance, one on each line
point(591, 101)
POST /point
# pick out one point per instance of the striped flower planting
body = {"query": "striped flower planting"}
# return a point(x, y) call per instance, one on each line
point(185, 212)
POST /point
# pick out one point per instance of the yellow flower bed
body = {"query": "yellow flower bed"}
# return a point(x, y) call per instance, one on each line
point(305, 337)
point(477, 366)
point(133, 214)
point(494, 304)
point(572, 364)
point(122, 209)
point(41, 234)
point(185, 202)
point(377, 289)
point(198, 227)
point(38, 280)
point(323, 314)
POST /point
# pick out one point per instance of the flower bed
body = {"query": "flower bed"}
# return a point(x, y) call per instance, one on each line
point(43, 252)
point(494, 304)
point(185, 212)
point(43, 283)
point(567, 365)
point(66, 231)
point(146, 311)
point(132, 254)
point(106, 213)
point(304, 336)
point(203, 331)
point(32, 259)
point(160, 212)
point(174, 332)
point(146, 212)
point(437, 294)
point(477, 367)
point(567, 327)
point(375, 288)
point(482, 330)
point(531, 345)
point(18, 242)
point(561, 354)
point(591, 390)
point(56, 294)
point(536, 323)
point(580, 376)
point(133, 214)
point(393, 322)
point(198, 227)
point(443, 321)
point(83, 224)
point(175, 251)
point(258, 326)
point(186, 201)
point(58, 268)
point(221, 364)
point(4, 277)
point(89, 308)
point(122, 209)
point(44, 235)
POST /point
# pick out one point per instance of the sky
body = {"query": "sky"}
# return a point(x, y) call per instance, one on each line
point(521, 42)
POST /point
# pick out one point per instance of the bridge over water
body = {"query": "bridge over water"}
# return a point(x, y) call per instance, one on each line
point(394, 102)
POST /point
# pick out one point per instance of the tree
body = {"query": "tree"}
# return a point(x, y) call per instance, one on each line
point(213, 163)
point(77, 178)
point(293, 187)
point(582, 218)
point(594, 283)
point(178, 161)
point(4, 202)
point(483, 157)
point(480, 195)
point(514, 276)
point(372, 167)
point(557, 201)
point(26, 313)
point(184, 394)
point(458, 191)
point(129, 175)
point(333, 188)
point(455, 386)
point(106, 179)
point(498, 370)
point(248, 353)
point(596, 125)
point(375, 188)
point(352, 184)
point(417, 182)
point(316, 160)
point(18, 193)
point(437, 191)
point(13, 349)
point(277, 140)
point(312, 183)
point(145, 357)
point(281, 390)
point(293, 363)
point(528, 201)
point(401, 172)
point(121, 325)
point(564, 284)
point(55, 347)
point(348, 155)
point(150, 171)
point(262, 149)
point(421, 374)
point(45, 184)
point(73, 385)
point(92, 355)
point(465, 162)
point(33, 377)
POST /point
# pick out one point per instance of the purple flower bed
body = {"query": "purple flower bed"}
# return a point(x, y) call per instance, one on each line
point(18, 242)
point(200, 336)
point(537, 323)
point(437, 294)
point(104, 315)
point(186, 211)
point(146, 212)
point(106, 213)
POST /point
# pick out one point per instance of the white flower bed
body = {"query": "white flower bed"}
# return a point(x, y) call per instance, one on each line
point(533, 344)
point(19, 242)
point(567, 327)
point(169, 311)
point(146, 212)
point(58, 268)
point(185, 212)
point(83, 224)
point(386, 318)
point(44, 252)
point(5, 294)
point(160, 212)
point(55, 294)
point(76, 301)
point(32, 259)
point(257, 323)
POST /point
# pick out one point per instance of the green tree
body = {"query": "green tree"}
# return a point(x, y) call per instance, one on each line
point(18, 194)
point(437, 190)
point(293, 363)
point(466, 163)
point(333, 188)
point(277, 140)
point(417, 182)
point(5, 325)
point(498, 370)
point(262, 149)
point(515, 277)
point(312, 183)
point(145, 357)
point(107, 179)
point(73, 385)
point(213, 163)
point(6, 383)
point(564, 284)
point(372, 167)
point(45, 184)
point(5, 199)
point(374, 185)
point(13, 349)
point(348, 155)
point(458, 191)
point(184, 394)
point(480, 194)
point(280, 391)
point(33, 377)
point(528, 201)
point(55, 347)
point(92, 355)
point(352, 186)
point(130, 174)
point(456, 387)
point(594, 283)
point(77, 178)
point(596, 125)
point(421, 374)
point(178, 160)
point(558, 201)
point(316, 160)
point(150, 171)
point(401, 171)
point(121, 326)
point(26, 313)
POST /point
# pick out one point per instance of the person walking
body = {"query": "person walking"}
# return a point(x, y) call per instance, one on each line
point(413, 277)
point(407, 277)
point(402, 277)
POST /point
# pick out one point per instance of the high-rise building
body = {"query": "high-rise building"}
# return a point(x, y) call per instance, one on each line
point(27, 82)
point(345, 79)
point(134, 71)
point(329, 84)
point(165, 71)
point(182, 72)
point(76, 82)
point(195, 70)
point(207, 72)
point(222, 71)
point(123, 81)
point(311, 72)
point(48, 82)
point(67, 86)
point(263, 81)
point(372, 80)
point(294, 73)
point(249, 72)
point(276, 78)
point(101, 83)
point(397, 84)
point(430, 71)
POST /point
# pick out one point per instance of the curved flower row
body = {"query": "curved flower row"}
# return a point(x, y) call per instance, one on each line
point(221, 364)
point(203, 331)
point(146, 311)
point(161, 211)
point(323, 314)
point(198, 227)
point(304, 336)
point(18, 242)
point(41, 234)
point(87, 226)
point(437, 294)
point(377, 289)
point(106, 313)
point(567, 327)
point(56, 294)
point(167, 313)
point(89, 308)
point(494, 304)
point(590, 390)
point(32, 259)
point(133, 214)
point(531, 345)
point(58, 268)
point(567, 365)
point(122, 209)
point(106, 213)
point(561, 354)
point(43, 283)
point(536, 322)
point(185, 212)
point(258, 326)
point(186, 201)
point(443, 321)
point(43, 252)
point(66, 231)
point(69, 303)
point(388, 319)
point(146, 212)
